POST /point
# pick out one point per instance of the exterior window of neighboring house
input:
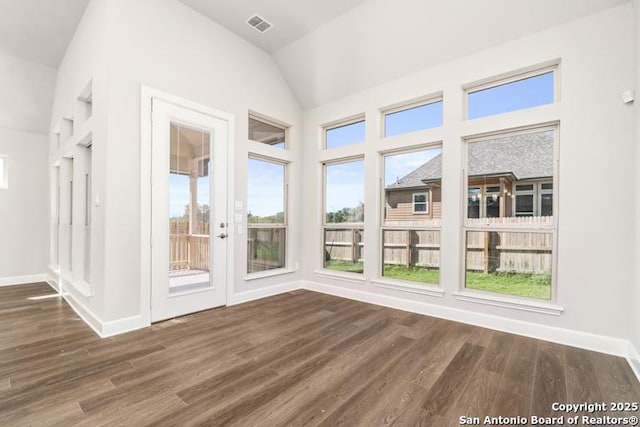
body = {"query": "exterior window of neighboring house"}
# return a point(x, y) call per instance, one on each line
point(420, 203)
point(4, 172)
point(343, 216)
point(511, 176)
point(412, 216)
point(522, 91)
point(413, 117)
point(344, 133)
point(534, 199)
point(267, 216)
point(267, 132)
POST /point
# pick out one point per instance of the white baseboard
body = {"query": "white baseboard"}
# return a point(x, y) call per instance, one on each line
point(634, 360)
point(85, 313)
point(121, 326)
point(600, 343)
point(23, 280)
point(265, 292)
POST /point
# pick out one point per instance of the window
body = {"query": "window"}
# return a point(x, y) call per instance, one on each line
point(420, 203)
point(517, 93)
point(4, 172)
point(510, 176)
point(534, 199)
point(260, 130)
point(343, 226)
point(413, 119)
point(412, 216)
point(266, 216)
point(344, 134)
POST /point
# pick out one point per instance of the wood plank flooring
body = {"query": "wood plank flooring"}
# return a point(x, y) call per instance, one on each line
point(295, 359)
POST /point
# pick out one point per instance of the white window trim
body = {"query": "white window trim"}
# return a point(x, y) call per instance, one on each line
point(427, 203)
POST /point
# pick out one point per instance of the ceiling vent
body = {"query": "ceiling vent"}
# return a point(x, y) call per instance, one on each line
point(259, 23)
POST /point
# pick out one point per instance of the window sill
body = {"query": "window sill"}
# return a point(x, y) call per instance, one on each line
point(348, 277)
point(268, 273)
point(426, 289)
point(507, 302)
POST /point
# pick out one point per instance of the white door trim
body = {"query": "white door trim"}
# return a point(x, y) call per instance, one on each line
point(147, 95)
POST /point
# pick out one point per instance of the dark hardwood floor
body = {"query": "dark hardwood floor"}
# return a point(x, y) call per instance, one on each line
point(300, 358)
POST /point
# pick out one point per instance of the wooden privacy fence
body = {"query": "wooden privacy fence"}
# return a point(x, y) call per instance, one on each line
point(188, 252)
point(343, 244)
point(266, 248)
point(487, 251)
point(509, 251)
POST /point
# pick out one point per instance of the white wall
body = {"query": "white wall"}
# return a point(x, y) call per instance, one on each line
point(85, 61)
point(635, 338)
point(167, 46)
point(24, 206)
point(27, 94)
point(596, 275)
point(25, 105)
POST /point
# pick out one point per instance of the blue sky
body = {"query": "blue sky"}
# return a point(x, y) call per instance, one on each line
point(399, 165)
point(265, 188)
point(526, 93)
point(179, 193)
point(414, 119)
point(345, 185)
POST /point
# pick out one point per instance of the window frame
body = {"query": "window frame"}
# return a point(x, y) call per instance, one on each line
point(526, 303)
point(511, 77)
point(282, 226)
point(342, 123)
point(324, 225)
point(431, 289)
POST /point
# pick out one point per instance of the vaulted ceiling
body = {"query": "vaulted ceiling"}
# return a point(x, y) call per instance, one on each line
point(325, 49)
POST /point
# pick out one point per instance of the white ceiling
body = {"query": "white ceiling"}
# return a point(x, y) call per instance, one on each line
point(381, 40)
point(39, 30)
point(291, 19)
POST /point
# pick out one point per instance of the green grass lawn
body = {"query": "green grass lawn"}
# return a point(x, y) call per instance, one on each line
point(522, 285)
point(349, 267)
point(413, 274)
point(518, 284)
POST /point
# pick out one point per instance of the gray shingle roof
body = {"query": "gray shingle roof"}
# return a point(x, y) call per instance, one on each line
point(525, 156)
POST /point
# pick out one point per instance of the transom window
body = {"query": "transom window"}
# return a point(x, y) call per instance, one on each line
point(347, 133)
point(266, 132)
point(413, 118)
point(516, 93)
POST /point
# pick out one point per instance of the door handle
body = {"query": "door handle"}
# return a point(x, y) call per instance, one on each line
point(222, 236)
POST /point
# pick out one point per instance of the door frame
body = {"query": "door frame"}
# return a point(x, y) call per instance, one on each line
point(147, 96)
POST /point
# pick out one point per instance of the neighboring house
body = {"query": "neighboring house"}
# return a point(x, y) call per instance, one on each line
point(508, 177)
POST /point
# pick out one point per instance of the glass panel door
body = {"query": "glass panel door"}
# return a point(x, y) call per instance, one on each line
point(189, 206)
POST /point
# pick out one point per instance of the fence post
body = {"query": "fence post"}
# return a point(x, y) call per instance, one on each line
point(353, 246)
point(408, 248)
